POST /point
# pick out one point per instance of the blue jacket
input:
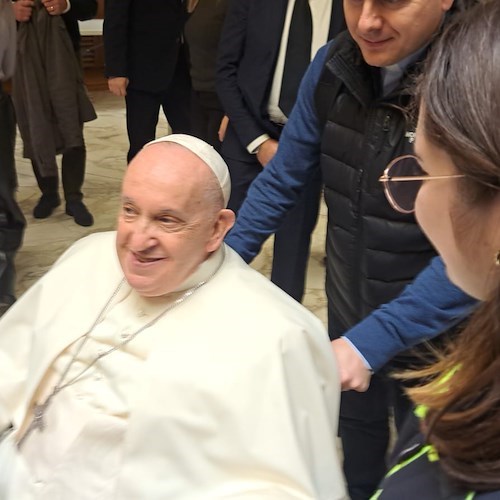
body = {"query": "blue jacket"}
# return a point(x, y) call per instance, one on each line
point(431, 304)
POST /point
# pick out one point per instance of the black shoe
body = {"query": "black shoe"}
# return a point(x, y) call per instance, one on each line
point(80, 213)
point(46, 205)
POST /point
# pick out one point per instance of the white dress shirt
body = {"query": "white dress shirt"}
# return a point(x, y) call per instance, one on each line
point(321, 12)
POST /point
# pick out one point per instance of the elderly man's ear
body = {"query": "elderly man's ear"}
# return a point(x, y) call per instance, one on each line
point(223, 223)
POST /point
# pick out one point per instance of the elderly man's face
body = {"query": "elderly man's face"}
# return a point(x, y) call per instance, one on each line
point(387, 31)
point(165, 229)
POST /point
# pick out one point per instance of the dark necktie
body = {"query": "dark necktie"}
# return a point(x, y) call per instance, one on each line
point(297, 56)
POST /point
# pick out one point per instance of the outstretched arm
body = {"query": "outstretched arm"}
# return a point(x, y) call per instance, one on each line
point(426, 308)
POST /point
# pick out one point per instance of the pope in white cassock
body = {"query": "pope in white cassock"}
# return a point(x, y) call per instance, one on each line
point(153, 363)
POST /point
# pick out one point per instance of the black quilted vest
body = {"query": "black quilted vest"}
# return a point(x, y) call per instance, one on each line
point(373, 251)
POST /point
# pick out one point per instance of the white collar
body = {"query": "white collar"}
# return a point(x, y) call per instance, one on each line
point(392, 74)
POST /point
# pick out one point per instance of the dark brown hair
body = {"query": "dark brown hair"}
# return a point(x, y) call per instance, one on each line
point(460, 94)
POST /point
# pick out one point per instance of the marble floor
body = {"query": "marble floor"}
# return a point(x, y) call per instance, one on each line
point(106, 141)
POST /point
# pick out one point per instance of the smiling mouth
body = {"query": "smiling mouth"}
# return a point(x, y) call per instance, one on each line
point(145, 260)
point(375, 43)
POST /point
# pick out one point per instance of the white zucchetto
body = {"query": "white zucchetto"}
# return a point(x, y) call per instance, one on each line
point(208, 154)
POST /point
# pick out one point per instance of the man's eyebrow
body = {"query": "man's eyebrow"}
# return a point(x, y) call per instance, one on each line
point(167, 211)
point(160, 211)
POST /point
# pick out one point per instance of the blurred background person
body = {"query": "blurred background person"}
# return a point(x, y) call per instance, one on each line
point(264, 50)
point(146, 62)
point(12, 221)
point(202, 33)
point(50, 99)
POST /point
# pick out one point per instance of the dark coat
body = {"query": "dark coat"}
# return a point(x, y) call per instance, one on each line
point(248, 51)
point(142, 39)
point(50, 113)
point(202, 33)
point(81, 10)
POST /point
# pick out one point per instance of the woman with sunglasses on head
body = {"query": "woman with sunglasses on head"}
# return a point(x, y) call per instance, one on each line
point(453, 185)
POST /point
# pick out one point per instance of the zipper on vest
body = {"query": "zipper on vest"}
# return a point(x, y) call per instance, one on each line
point(387, 121)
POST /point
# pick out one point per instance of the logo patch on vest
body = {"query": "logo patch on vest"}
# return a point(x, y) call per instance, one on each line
point(410, 136)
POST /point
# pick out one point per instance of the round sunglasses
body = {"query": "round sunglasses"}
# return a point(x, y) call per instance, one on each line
point(402, 180)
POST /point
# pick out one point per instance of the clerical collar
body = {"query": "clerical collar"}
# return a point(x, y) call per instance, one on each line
point(391, 75)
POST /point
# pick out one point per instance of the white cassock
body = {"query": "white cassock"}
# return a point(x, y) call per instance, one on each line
point(233, 394)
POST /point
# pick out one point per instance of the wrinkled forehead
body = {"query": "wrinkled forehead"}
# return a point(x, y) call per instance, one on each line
point(165, 164)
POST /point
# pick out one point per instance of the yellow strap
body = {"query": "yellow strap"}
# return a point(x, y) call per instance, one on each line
point(432, 455)
point(421, 410)
point(376, 495)
point(428, 448)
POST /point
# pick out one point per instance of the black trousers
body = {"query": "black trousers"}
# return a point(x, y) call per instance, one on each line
point(206, 116)
point(72, 175)
point(364, 427)
point(365, 434)
point(292, 240)
point(143, 108)
point(12, 221)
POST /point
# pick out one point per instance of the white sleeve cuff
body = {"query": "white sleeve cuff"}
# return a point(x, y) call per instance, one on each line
point(254, 145)
point(68, 7)
point(365, 362)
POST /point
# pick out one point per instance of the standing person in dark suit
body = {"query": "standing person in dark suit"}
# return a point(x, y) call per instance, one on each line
point(146, 62)
point(251, 74)
point(51, 112)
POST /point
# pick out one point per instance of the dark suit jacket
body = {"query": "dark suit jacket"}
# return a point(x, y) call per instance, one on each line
point(142, 41)
point(81, 10)
point(248, 50)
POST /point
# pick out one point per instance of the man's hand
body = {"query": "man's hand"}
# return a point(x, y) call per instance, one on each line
point(55, 7)
point(222, 128)
point(118, 85)
point(353, 372)
point(266, 151)
point(22, 10)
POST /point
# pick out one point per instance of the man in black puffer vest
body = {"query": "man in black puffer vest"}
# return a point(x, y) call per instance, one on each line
point(351, 119)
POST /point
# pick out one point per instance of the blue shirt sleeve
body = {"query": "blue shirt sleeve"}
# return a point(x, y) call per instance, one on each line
point(427, 307)
point(276, 189)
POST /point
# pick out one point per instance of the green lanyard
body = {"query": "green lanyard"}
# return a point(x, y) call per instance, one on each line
point(432, 456)
point(429, 450)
